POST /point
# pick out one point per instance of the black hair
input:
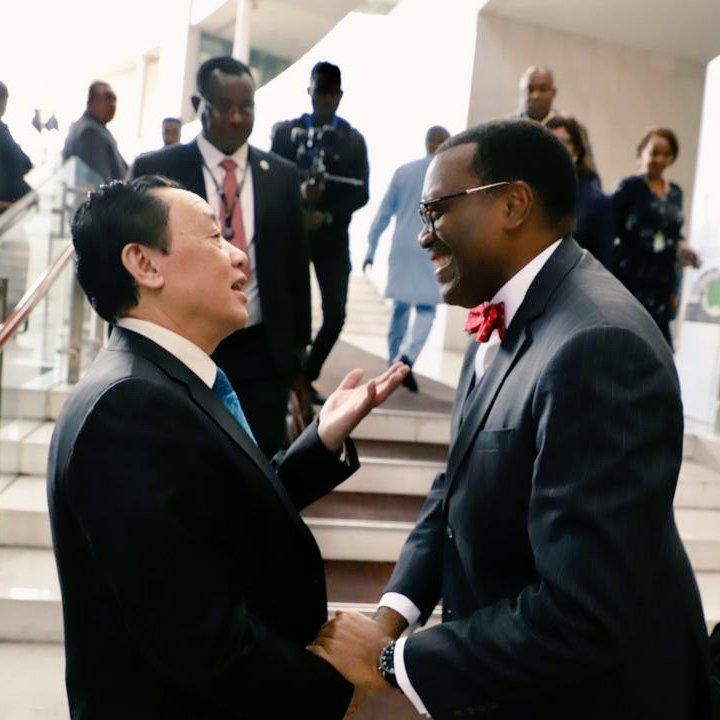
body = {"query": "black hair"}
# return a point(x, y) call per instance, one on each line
point(172, 120)
point(508, 150)
point(662, 132)
point(327, 70)
point(226, 64)
point(114, 215)
point(578, 137)
point(435, 130)
point(95, 88)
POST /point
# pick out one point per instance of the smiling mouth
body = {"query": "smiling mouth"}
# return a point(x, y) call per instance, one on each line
point(238, 285)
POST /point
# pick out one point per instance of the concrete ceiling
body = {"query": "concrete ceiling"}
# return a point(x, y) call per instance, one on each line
point(289, 28)
point(685, 28)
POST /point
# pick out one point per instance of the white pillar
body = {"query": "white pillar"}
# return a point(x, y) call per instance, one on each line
point(173, 60)
point(243, 26)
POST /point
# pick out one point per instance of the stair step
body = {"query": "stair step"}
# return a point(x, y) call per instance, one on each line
point(12, 435)
point(395, 468)
point(30, 607)
point(366, 506)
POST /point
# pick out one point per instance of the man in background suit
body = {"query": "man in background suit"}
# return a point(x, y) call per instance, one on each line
point(91, 141)
point(256, 197)
point(566, 591)
point(190, 584)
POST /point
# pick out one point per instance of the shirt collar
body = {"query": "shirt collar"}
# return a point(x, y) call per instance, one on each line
point(513, 292)
point(185, 351)
point(213, 157)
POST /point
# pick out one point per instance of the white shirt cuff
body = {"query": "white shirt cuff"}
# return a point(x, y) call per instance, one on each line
point(402, 604)
point(403, 679)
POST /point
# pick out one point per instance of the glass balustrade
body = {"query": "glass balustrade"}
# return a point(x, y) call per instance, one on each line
point(61, 334)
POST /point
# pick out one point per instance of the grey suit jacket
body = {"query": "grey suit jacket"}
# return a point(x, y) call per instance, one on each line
point(93, 143)
point(550, 537)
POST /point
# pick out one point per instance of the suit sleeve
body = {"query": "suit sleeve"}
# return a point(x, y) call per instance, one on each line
point(151, 530)
point(600, 499)
point(308, 470)
point(418, 573)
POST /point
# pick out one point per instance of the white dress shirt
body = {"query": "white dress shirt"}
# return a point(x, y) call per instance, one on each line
point(214, 176)
point(185, 351)
point(512, 293)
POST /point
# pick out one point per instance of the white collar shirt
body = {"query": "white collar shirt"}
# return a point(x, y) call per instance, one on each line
point(512, 293)
point(189, 354)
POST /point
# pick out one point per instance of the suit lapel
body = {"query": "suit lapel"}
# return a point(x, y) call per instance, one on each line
point(467, 374)
point(206, 399)
point(484, 393)
point(261, 180)
point(516, 342)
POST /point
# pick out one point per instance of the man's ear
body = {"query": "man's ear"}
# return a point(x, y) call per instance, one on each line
point(138, 260)
point(519, 201)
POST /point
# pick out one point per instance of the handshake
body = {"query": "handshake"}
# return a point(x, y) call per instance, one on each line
point(352, 644)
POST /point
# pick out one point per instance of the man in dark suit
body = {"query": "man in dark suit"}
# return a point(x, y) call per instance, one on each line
point(257, 199)
point(323, 141)
point(566, 591)
point(91, 141)
point(190, 584)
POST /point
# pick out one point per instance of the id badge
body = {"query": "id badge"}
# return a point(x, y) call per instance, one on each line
point(659, 244)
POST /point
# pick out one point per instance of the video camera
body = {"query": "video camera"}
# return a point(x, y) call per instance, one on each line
point(311, 145)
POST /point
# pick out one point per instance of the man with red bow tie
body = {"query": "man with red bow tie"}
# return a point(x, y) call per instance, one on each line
point(550, 540)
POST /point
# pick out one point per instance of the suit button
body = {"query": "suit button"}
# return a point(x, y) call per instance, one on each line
point(450, 532)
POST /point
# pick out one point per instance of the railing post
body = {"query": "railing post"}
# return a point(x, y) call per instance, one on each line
point(77, 309)
point(3, 312)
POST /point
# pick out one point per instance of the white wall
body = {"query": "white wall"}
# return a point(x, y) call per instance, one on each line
point(615, 91)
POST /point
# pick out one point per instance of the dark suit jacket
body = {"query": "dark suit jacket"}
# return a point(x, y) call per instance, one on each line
point(281, 254)
point(550, 538)
point(190, 584)
point(93, 143)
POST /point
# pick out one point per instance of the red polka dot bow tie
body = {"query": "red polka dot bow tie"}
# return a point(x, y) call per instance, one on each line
point(485, 318)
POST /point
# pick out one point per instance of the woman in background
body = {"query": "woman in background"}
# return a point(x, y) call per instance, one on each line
point(594, 228)
point(650, 248)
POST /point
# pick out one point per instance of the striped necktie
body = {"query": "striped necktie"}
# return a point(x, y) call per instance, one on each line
point(224, 390)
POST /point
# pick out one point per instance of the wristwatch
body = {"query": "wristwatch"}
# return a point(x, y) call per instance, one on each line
point(386, 665)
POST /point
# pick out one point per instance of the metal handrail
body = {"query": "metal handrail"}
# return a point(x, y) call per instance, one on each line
point(34, 294)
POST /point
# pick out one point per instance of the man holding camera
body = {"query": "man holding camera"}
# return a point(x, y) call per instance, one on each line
point(333, 161)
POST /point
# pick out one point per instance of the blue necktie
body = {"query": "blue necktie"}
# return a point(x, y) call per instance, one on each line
point(224, 390)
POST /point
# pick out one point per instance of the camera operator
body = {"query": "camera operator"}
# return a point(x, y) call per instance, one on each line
point(332, 158)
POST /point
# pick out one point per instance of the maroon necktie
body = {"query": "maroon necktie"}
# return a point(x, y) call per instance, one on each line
point(232, 206)
point(485, 318)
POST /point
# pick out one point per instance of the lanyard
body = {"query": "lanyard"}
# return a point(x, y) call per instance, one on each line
point(228, 232)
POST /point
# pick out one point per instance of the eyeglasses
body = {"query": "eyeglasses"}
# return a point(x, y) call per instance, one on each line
point(428, 214)
point(225, 110)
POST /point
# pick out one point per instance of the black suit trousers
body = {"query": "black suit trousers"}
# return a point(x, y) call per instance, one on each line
point(331, 260)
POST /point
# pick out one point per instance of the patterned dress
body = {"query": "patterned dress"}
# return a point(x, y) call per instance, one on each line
point(645, 259)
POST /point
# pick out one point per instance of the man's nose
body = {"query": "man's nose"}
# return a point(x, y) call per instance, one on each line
point(237, 256)
point(426, 237)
